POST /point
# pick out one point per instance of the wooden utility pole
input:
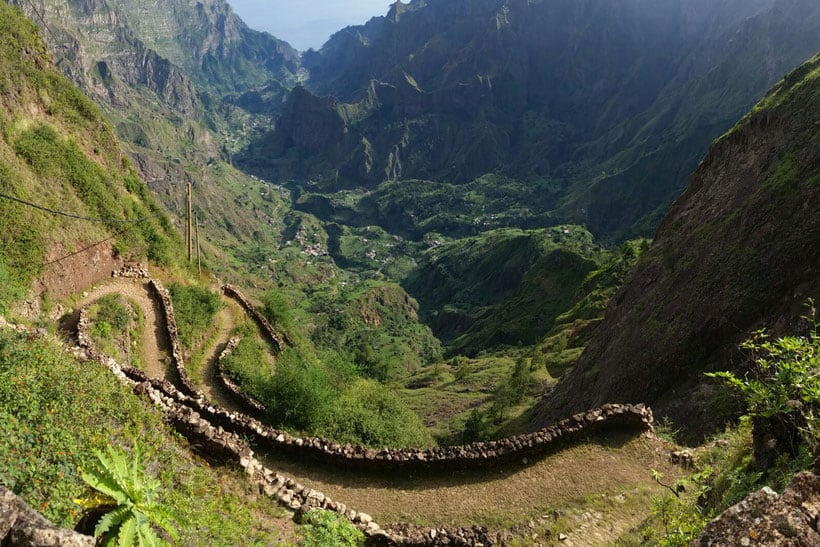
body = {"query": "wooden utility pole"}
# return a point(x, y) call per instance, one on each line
point(189, 235)
point(198, 257)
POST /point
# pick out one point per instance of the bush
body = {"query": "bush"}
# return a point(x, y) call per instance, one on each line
point(782, 393)
point(323, 528)
point(195, 308)
point(300, 395)
point(370, 414)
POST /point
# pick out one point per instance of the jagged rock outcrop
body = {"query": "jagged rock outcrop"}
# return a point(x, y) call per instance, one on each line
point(738, 251)
point(766, 518)
point(21, 525)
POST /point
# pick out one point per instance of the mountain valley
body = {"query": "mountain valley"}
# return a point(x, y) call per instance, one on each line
point(442, 221)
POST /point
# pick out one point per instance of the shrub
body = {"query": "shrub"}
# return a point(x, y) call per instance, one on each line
point(195, 308)
point(782, 391)
point(322, 528)
point(300, 395)
point(371, 414)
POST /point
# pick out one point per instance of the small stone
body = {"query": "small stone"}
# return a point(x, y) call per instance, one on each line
point(364, 518)
point(562, 537)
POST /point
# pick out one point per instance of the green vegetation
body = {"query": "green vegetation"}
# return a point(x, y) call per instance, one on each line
point(775, 439)
point(195, 308)
point(57, 151)
point(55, 413)
point(371, 414)
point(782, 394)
point(129, 498)
point(504, 287)
point(322, 396)
point(110, 320)
point(323, 528)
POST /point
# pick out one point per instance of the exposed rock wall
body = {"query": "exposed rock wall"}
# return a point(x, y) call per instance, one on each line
point(22, 525)
point(765, 518)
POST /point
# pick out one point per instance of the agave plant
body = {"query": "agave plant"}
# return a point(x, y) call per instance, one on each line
point(126, 498)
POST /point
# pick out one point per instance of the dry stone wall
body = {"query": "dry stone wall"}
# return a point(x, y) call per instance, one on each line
point(251, 405)
point(221, 433)
point(479, 454)
point(274, 337)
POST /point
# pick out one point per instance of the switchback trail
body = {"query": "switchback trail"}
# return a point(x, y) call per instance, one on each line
point(153, 344)
point(208, 381)
point(605, 478)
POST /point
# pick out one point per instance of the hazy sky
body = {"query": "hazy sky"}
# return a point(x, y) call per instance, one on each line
point(307, 23)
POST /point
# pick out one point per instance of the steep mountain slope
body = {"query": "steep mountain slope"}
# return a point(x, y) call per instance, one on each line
point(504, 287)
point(595, 110)
point(57, 152)
point(738, 251)
point(175, 131)
point(210, 43)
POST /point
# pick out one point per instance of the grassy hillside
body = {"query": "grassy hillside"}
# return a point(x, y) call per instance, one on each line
point(55, 412)
point(57, 151)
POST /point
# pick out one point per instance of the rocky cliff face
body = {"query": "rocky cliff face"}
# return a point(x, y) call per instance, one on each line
point(738, 251)
point(208, 41)
point(102, 55)
point(611, 103)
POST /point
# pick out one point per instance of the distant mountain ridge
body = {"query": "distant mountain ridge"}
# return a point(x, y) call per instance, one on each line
point(608, 105)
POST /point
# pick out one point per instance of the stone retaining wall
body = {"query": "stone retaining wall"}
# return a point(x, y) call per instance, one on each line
point(222, 433)
point(167, 307)
point(479, 454)
point(253, 406)
point(272, 335)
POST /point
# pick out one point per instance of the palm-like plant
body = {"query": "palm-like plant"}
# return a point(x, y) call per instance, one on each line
point(127, 496)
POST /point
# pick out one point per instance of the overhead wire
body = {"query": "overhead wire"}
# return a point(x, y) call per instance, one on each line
point(132, 223)
point(78, 217)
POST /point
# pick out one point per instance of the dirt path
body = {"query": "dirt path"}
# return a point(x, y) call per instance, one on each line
point(207, 381)
point(592, 491)
point(153, 344)
point(610, 475)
